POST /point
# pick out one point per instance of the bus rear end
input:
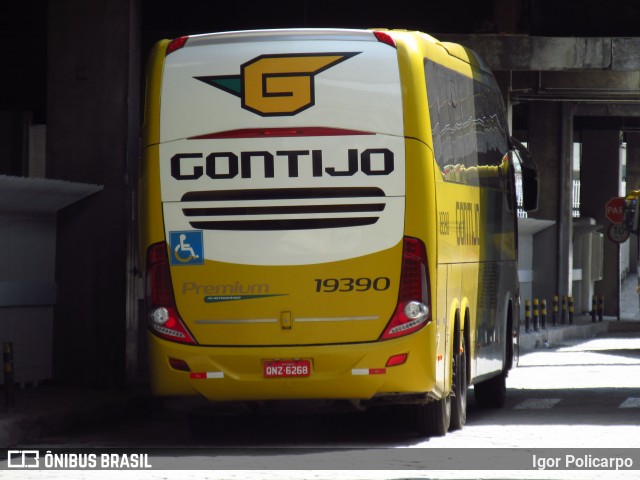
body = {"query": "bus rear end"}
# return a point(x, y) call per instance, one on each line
point(272, 208)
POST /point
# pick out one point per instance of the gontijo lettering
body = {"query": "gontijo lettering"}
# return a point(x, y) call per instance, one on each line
point(468, 223)
point(228, 165)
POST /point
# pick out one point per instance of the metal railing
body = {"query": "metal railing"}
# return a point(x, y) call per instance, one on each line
point(575, 198)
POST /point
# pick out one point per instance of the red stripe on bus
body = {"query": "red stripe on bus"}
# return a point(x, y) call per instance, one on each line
point(281, 132)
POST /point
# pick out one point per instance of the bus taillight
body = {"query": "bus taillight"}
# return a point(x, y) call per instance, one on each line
point(385, 37)
point(162, 315)
point(176, 44)
point(412, 312)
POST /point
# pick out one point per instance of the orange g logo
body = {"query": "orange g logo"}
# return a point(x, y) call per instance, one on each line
point(277, 85)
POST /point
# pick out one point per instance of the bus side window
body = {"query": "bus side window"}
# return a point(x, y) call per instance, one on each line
point(468, 126)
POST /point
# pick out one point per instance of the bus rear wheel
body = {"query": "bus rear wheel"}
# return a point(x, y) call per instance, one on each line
point(460, 386)
point(434, 418)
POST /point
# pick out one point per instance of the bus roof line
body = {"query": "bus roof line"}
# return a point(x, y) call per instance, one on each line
point(301, 34)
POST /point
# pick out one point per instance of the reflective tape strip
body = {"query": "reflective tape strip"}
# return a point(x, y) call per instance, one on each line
point(206, 375)
point(631, 402)
point(368, 371)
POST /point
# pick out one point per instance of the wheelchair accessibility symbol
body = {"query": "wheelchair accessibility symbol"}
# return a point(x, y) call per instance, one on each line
point(186, 248)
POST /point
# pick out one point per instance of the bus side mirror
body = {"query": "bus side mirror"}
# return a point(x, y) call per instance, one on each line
point(529, 174)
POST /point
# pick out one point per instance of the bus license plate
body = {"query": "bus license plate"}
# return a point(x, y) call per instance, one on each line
point(286, 368)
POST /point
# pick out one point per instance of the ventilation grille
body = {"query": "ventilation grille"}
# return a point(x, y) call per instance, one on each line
point(265, 209)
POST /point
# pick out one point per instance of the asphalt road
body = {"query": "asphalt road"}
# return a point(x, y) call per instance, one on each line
point(581, 395)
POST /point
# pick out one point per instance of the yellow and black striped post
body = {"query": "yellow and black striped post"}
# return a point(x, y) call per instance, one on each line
point(554, 318)
point(543, 313)
point(563, 317)
point(570, 310)
point(7, 359)
point(527, 316)
point(594, 308)
point(536, 314)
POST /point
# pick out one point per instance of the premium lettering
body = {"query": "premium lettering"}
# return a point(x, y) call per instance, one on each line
point(224, 288)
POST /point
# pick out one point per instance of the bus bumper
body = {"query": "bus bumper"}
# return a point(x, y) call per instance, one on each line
point(351, 371)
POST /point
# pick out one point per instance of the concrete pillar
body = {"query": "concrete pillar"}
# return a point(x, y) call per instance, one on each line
point(565, 202)
point(600, 181)
point(550, 137)
point(91, 138)
point(633, 183)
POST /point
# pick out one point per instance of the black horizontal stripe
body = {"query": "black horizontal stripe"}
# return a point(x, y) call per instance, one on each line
point(282, 194)
point(293, 224)
point(283, 210)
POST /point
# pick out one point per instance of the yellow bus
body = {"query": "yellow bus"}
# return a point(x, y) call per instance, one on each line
point(329, 214)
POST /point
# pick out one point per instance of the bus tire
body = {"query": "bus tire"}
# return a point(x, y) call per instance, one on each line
point(460, 386)
point(492, 393)
point(434, 418)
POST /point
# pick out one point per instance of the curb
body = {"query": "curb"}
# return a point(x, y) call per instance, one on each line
point(554, 335)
